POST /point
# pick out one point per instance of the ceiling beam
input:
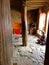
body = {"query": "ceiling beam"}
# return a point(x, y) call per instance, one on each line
point(30, 3)
point(32, 8)
point(37, 0)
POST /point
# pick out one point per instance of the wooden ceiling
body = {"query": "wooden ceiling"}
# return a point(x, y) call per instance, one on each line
point(31, 4)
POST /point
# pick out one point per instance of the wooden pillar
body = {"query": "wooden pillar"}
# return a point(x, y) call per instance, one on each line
point(47, 50)
point(24, 23)
point(1, 47)
point(6, 32)
point(46, 22)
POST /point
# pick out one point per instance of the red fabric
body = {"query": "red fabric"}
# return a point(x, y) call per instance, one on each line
point(16, 31)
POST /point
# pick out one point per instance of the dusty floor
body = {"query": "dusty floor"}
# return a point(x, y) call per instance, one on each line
point(32, 54)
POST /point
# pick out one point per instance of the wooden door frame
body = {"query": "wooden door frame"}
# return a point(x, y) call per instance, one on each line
point(5, 33)
point(46, 61)
point(6, 36)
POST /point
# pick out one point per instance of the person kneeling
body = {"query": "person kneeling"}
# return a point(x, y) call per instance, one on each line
point(42, 40)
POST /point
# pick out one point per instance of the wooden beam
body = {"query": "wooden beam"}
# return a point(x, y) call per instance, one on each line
point(33, 8)
point(24, 24)
point(37, 0)
point(33, 3)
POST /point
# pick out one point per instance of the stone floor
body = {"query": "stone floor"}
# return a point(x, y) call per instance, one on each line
point(32, 54)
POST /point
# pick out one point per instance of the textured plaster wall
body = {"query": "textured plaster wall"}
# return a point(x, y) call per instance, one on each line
point(31, 16)
point(15, 16)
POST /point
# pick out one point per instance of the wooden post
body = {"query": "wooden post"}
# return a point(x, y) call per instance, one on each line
point(6, 32)
point(46, 23)
point(1, 46)
point(47, 50)
point(24, 23)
